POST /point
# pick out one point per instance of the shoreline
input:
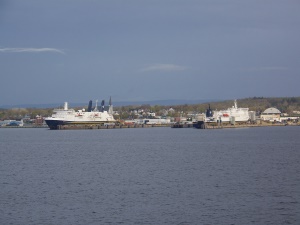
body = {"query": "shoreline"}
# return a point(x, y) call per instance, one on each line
point(92, 127)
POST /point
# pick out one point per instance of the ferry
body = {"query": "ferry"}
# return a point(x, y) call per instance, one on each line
point(233, 114)
point(68, 116)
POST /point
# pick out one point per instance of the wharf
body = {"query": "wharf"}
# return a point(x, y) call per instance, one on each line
point(88, 127)
point(207, 126)
point(182, 125)
point(25, 126)
point(221, 126)
point(241, 126)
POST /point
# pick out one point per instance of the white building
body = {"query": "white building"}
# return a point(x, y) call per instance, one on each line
point(271, 114)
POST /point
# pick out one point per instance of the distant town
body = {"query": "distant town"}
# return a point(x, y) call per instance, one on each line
point(267, 110)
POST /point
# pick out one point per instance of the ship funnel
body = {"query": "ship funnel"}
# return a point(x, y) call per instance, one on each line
point(90, 106)
point(209, 112)
point(66, 106)
point(110, 108)
point(102, 105)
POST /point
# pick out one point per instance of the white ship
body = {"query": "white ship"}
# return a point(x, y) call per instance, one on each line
point(68, 116)
point(233, 114)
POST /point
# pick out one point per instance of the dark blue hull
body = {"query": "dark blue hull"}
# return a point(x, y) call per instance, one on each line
point(53, 124)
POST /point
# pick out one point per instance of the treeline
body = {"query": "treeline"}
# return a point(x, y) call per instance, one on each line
point(285, 105)
point(20, 113)
point(258, 104)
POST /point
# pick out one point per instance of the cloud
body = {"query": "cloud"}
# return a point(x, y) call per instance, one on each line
point(34, 50)
point(163, 67)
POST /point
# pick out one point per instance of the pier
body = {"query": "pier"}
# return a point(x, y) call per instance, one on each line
point(126, 126)
point(121, 126)
point(226, 125)
point(202, 126)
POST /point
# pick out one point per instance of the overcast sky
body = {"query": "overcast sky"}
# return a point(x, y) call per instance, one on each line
point(77, 50)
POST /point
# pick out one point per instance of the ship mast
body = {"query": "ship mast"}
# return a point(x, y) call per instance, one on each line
point(235, 104)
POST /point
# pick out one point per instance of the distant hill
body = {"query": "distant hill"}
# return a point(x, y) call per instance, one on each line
point(169, 102)
point(120, 103)
point(290, 105)
point(258, 104)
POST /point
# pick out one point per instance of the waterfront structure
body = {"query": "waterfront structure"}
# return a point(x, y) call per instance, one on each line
point(271, 114)
point(12, 123)
point(157, 121)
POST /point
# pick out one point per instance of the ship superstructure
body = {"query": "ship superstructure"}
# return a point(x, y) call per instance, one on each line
point(66, 116)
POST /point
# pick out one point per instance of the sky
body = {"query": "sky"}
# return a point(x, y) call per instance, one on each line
point(144, 50)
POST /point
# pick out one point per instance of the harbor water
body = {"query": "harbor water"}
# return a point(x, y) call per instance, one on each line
point(150, 176)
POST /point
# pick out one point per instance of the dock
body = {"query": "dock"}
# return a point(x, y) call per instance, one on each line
point(121, 126)
point(224, 126)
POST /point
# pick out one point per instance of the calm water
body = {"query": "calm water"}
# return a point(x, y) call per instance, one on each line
point(150, 176)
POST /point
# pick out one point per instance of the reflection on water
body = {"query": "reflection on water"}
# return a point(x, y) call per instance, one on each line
point(150, 176)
